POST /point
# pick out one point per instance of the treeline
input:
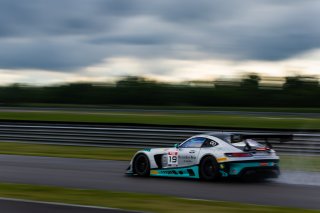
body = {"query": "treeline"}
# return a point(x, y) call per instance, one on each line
point(296, 91)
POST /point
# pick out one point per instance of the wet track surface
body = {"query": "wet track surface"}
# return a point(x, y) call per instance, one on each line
point(109, 175)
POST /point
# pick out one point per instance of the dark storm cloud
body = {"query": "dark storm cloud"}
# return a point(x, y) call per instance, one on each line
point(44, 54)
point(70, 34)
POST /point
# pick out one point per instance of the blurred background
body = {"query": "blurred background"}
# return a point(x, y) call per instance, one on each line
point(249, 91)
point(84, 84)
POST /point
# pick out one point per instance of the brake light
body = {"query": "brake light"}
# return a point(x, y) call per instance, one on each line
point(238, 154)
point(263, 149)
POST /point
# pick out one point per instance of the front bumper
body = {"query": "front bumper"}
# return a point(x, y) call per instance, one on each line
point(129, 171)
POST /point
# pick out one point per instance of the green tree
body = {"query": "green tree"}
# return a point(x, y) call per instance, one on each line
point(251, 82)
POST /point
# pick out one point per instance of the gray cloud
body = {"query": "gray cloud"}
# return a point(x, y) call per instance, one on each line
point(57, 55)
point(65, 35)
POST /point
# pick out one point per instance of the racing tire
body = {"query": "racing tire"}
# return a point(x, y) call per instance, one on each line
point(141, 165)
point(209, 168)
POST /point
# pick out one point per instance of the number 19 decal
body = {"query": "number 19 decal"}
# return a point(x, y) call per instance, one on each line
point(173, 158)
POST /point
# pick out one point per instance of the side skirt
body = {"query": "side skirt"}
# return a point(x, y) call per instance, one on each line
point(186, 172)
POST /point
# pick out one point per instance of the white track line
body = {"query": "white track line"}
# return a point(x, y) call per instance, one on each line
point(62, 204)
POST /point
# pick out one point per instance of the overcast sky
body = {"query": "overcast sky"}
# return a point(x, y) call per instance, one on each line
point(97, 40)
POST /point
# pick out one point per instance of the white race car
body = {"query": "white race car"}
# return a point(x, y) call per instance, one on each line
point(209, 156)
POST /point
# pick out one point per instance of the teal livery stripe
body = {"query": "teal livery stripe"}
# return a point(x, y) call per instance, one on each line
point(187, 172)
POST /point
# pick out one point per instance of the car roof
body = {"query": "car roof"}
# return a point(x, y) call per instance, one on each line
point(220, 135)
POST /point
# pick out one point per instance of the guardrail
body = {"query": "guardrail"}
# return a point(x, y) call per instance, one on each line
point(134, 136)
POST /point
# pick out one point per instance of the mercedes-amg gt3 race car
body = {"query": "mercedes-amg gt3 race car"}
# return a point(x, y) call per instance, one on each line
point(209, 156)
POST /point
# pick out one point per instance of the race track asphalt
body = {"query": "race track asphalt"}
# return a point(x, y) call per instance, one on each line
point(109, 175)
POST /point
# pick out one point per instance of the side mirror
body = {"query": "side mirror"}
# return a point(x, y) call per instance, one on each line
point(176, 145)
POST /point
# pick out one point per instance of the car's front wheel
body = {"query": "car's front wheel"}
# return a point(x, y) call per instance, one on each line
point(141, 165)
point(209, 168)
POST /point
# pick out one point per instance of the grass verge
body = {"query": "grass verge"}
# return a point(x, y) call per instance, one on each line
point(88, 152)
point(302, 163)
point(229, 121)
point(131, 201)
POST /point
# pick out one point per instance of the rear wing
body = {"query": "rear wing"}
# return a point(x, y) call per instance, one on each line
point(235, 138)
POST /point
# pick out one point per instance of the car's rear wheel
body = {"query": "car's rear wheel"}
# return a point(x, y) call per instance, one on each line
point(209, 168)
point(141, 165)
